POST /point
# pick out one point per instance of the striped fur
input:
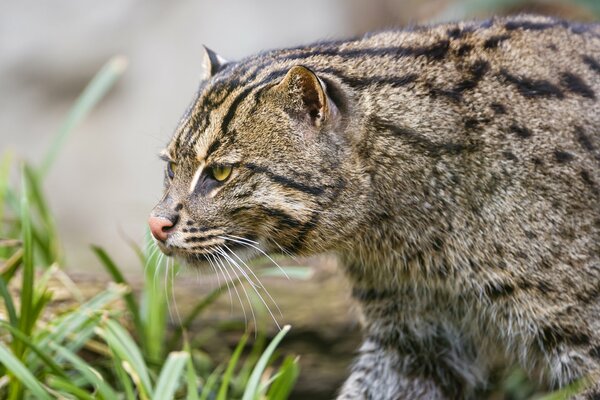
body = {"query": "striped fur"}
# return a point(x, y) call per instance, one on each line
point(455, 170)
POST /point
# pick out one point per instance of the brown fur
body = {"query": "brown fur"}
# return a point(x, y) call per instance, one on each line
point(455, 170)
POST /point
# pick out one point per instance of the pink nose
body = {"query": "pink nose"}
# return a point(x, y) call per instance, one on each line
point(160, 227)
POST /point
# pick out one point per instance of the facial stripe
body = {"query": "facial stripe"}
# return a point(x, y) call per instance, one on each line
point(285, 181)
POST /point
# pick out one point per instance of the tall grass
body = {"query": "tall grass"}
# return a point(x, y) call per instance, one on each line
point(86, 352)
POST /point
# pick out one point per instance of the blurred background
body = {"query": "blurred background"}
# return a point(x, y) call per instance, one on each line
point(108, 177)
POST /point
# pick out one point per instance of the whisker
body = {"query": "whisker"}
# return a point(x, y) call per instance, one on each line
point(206, 255)
point(166, 284)
point(257, 248)
point(151, 255)
point(236, 291)
point(260, 284)
point(156, 269)
point(216, 265)
point(245, 294)
point(244, 239)
point(224, 253)
point(173, 291)
point(284, 250)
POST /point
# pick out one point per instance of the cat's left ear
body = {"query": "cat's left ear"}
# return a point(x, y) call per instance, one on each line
point(307, 95)
point(213, 63)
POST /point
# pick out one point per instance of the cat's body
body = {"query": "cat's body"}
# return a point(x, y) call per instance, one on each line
point(455, 169)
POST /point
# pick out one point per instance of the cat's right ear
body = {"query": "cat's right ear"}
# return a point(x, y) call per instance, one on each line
point(306, 94)
point(213, 63)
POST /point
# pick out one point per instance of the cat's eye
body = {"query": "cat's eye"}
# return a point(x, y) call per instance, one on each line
point(171, 168)
point(221, 172)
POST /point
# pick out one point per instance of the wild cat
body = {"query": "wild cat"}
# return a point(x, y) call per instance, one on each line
point(455, 171)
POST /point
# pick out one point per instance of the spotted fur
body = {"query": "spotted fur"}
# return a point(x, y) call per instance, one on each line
point(455, 171)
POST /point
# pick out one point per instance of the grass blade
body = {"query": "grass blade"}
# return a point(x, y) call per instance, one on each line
point(11, 265)
point(210, 382)
point(123, 378)
point(51, 248)
point(91, 95)
point(42, 354)
point(253, 387)
point(154, 305)
point(123, 345)
point(118, 277)
point(20, 372)
point(90, 374)
point(26, 319)
point(75, 320)
point(65, 386)
point(285, 380)
point(170, 375)
point(191, 377)
point(8, 303)
point(230, 367)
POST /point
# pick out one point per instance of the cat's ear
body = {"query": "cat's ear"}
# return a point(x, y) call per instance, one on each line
point(307, 95)
point(213, 63)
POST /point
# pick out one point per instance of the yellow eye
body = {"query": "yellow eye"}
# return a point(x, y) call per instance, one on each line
point(171, 168)
point(221, 172)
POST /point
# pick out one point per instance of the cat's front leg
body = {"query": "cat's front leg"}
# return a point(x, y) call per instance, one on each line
point(377, 374)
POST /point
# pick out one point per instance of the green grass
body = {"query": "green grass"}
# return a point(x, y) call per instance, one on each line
point(86, 352)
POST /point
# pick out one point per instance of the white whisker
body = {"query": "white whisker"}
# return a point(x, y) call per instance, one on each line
point(217, 266)
point(245, 293)
point(235, 289)
point(166, 284)
point(235, 263)
point(173, 290)
point(257, 248)
point(260, 284)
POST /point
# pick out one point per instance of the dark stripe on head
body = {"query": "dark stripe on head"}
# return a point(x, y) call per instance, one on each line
point(509, 155)
point(576, 85)
point(584, 139)
point(562, 156)
point(436, 51)
point(520, 131)
point(420, 142)
point(593, 64)
point(496, 290)
point(213, 147)
point(529, 25)
point(532, 88)
point(587, 179)
point(284, 220)
point(477, 71)
point(240, 97)
point(498, 108)
point(456, 33)
point(494, 41)
point(315, 217)
point(285, 181)
point(362, 82)
point(464, 49)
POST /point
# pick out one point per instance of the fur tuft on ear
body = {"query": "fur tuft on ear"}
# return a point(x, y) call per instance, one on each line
point(308, 95)
point(213, 63)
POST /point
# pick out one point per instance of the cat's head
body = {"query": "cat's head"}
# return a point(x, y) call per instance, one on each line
point(258, 162)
